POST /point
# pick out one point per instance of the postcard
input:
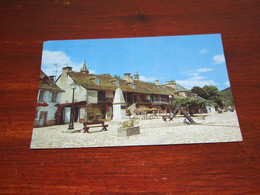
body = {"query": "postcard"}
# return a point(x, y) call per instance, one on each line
point(134, 91)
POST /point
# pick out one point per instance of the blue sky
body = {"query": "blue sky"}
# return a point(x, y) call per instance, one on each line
point(192, 60)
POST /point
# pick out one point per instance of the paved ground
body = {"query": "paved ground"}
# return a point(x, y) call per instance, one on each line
point(213, 127)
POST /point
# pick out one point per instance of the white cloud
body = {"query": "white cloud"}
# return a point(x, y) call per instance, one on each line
point(148, 79)
point(50, 71)
point(205, 69)
point(197, 78)
point(49, 58)
point(219, 59)
point(192, 73)
point(204, 50)
point(227, 83)
point(92, 72)
point(191, 83)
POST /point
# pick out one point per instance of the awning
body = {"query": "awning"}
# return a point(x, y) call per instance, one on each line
point(147, 109)
point(74, 104)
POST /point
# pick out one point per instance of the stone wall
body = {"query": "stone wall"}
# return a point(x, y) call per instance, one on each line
point(122, 132)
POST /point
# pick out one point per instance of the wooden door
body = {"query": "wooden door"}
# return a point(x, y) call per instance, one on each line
point(43, 117)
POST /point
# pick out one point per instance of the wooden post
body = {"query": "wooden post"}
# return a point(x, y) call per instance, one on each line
point(86, 109)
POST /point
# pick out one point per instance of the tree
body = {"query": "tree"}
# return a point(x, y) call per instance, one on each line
point(200, 92)
point(117, 76)
point(228, 98)
point(210, 93)
point(189, 103)
point(214, 94)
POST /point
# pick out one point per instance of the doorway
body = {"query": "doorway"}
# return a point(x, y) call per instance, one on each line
point(43, 118)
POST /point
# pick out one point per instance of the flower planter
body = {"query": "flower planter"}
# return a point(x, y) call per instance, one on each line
point(108, 117)
point(123, 132)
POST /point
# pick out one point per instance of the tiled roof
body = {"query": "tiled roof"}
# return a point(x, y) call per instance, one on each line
point(152, 88)
point(107, 82)
point(48, 84)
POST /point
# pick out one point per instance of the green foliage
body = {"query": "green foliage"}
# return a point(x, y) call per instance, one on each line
point(210, 93)
point(200, 92)
point(109, 114)
point(117, 76)
point(58, 113)
point(211, 90)
point(214, 95)
point(126, 124)
point(228, 98)
point(91, 116)
point(189, 103)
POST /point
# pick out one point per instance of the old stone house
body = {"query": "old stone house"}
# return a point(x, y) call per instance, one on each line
point(49, 96)
point(180, 90)
point(97, 91)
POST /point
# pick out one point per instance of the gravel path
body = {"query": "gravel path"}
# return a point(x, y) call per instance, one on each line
point(212, 128)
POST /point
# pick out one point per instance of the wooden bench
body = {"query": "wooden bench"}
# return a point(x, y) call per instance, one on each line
point(88, 125)
point(164, 117)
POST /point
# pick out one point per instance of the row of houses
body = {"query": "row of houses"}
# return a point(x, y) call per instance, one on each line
point(96, 93)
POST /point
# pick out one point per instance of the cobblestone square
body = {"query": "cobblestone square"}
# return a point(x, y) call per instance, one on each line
point(211, 128)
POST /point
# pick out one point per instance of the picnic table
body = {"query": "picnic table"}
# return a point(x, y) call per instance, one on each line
point(165, 117)
point(88, 125)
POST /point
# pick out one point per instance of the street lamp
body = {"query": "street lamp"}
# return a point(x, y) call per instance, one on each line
point(170, 98)
point(71, 125)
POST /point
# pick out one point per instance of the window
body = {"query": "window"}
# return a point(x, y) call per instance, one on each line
point(54, 97)
point(135, 98)
point(97, 81)
point(142, 97)
point(155, 97)
point(132, 85)
point(117, 83)
point(164, 98)
point(41, 96)
point(101, 96)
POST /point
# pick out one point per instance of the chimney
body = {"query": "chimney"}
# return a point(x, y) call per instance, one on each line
point(52, 78)
point(66, 69)
point(171, 84)
point(128, 77)
point(156, 82)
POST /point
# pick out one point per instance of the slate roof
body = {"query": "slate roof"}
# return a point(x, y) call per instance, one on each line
point(47, 83)
point(107, 82)
point(180, 88)
point(152, 88)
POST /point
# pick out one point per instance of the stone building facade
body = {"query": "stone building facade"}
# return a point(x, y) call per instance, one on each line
point(97, 92)
point(49, 96)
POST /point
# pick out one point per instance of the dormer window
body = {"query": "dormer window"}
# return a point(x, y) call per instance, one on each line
point(97, 81)
point(132, 85)
point(117, 83)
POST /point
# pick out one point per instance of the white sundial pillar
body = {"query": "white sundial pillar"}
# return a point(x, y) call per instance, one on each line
point(119, 106)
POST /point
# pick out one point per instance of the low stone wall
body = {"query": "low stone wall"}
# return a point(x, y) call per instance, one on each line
point(122, 132)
